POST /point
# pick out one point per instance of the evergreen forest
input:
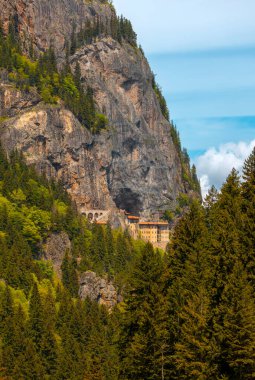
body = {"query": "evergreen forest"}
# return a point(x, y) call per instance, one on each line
point(187, 313)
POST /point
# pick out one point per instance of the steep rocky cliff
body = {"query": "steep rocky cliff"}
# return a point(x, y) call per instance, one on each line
point(46, 22)
point(133, 164)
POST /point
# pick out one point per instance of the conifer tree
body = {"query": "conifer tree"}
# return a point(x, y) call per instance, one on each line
point(69, 274)
point(122, 254)
point(28, 364)
point(235, 327)
point(36, 320)
point(225, 233)
point(77, 75)
point(145, 335)
point(248, 209)
point(110, 248)
point(189, 237)
point(41, 334)
point(98, 252)
point(193, 355)
point(189, 273)
point(101, 350)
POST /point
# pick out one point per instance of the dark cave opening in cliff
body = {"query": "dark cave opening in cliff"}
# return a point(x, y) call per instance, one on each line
point(129, 201)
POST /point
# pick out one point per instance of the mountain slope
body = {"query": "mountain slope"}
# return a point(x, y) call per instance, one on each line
point(132, 164)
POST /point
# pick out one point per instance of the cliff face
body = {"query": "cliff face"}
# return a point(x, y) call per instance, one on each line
point(134, 164)
point(45, 23)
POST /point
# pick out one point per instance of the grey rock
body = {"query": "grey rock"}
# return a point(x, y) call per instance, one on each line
point(45, 23)
point(13, 101)
point(55, 248)
point(53, 140)
point(98, 289)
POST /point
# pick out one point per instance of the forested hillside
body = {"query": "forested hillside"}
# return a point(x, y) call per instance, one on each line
point(188, 313)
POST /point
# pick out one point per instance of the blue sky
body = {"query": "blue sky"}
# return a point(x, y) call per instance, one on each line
point(203, 55)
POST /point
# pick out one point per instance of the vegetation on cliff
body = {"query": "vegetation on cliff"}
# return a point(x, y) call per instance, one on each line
point(119, 29)
point(188, 313)
point(189, 174)
point(51, 84)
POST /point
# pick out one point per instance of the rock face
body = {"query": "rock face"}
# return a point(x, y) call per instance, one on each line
point(143, 168)
point(54, 141)
point(13, 101)
point(97, 289)
point(45, 23)
point(54, 249)
point(133, 165)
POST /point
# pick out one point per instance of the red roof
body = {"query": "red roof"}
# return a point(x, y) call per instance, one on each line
point(154, 223)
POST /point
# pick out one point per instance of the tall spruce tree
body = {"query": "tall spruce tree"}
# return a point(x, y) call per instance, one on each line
point(225, 233)
point(234, 327)
point(194, 350)
point(189, 275)
point(248, 208)
point(145, 334)
point(186, 259)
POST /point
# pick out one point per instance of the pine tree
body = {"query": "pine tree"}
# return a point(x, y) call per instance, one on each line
point(41, 333)
point(225, 233)
point(122, 254)
point(189, 236)
point(235, 327)
point(77, 75)
point(101, 350)
point(36, 321)
point(6, 329)
point(195, 181)
point(249, 177)
point(28, 364)
point(248, 209)
point(110, 248)
point(98, 251)
point(69, 274)
point(71, 361)
point(6, 307)
point(145, 334)
point(194, 349)
point(189, 275)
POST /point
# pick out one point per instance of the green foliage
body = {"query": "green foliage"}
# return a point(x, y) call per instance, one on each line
point(101, 122)
point(168, 215)
point(51, 84)
point(119, 28)
point(69, 274)
point(144, 340)
point(248, 216)
point(189, 174)
point(161, 99)
point(188, 313)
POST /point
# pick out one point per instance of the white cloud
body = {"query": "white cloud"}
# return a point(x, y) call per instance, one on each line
point(215, 164)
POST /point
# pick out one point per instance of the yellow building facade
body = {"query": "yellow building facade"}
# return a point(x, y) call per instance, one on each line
point(155, 232)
